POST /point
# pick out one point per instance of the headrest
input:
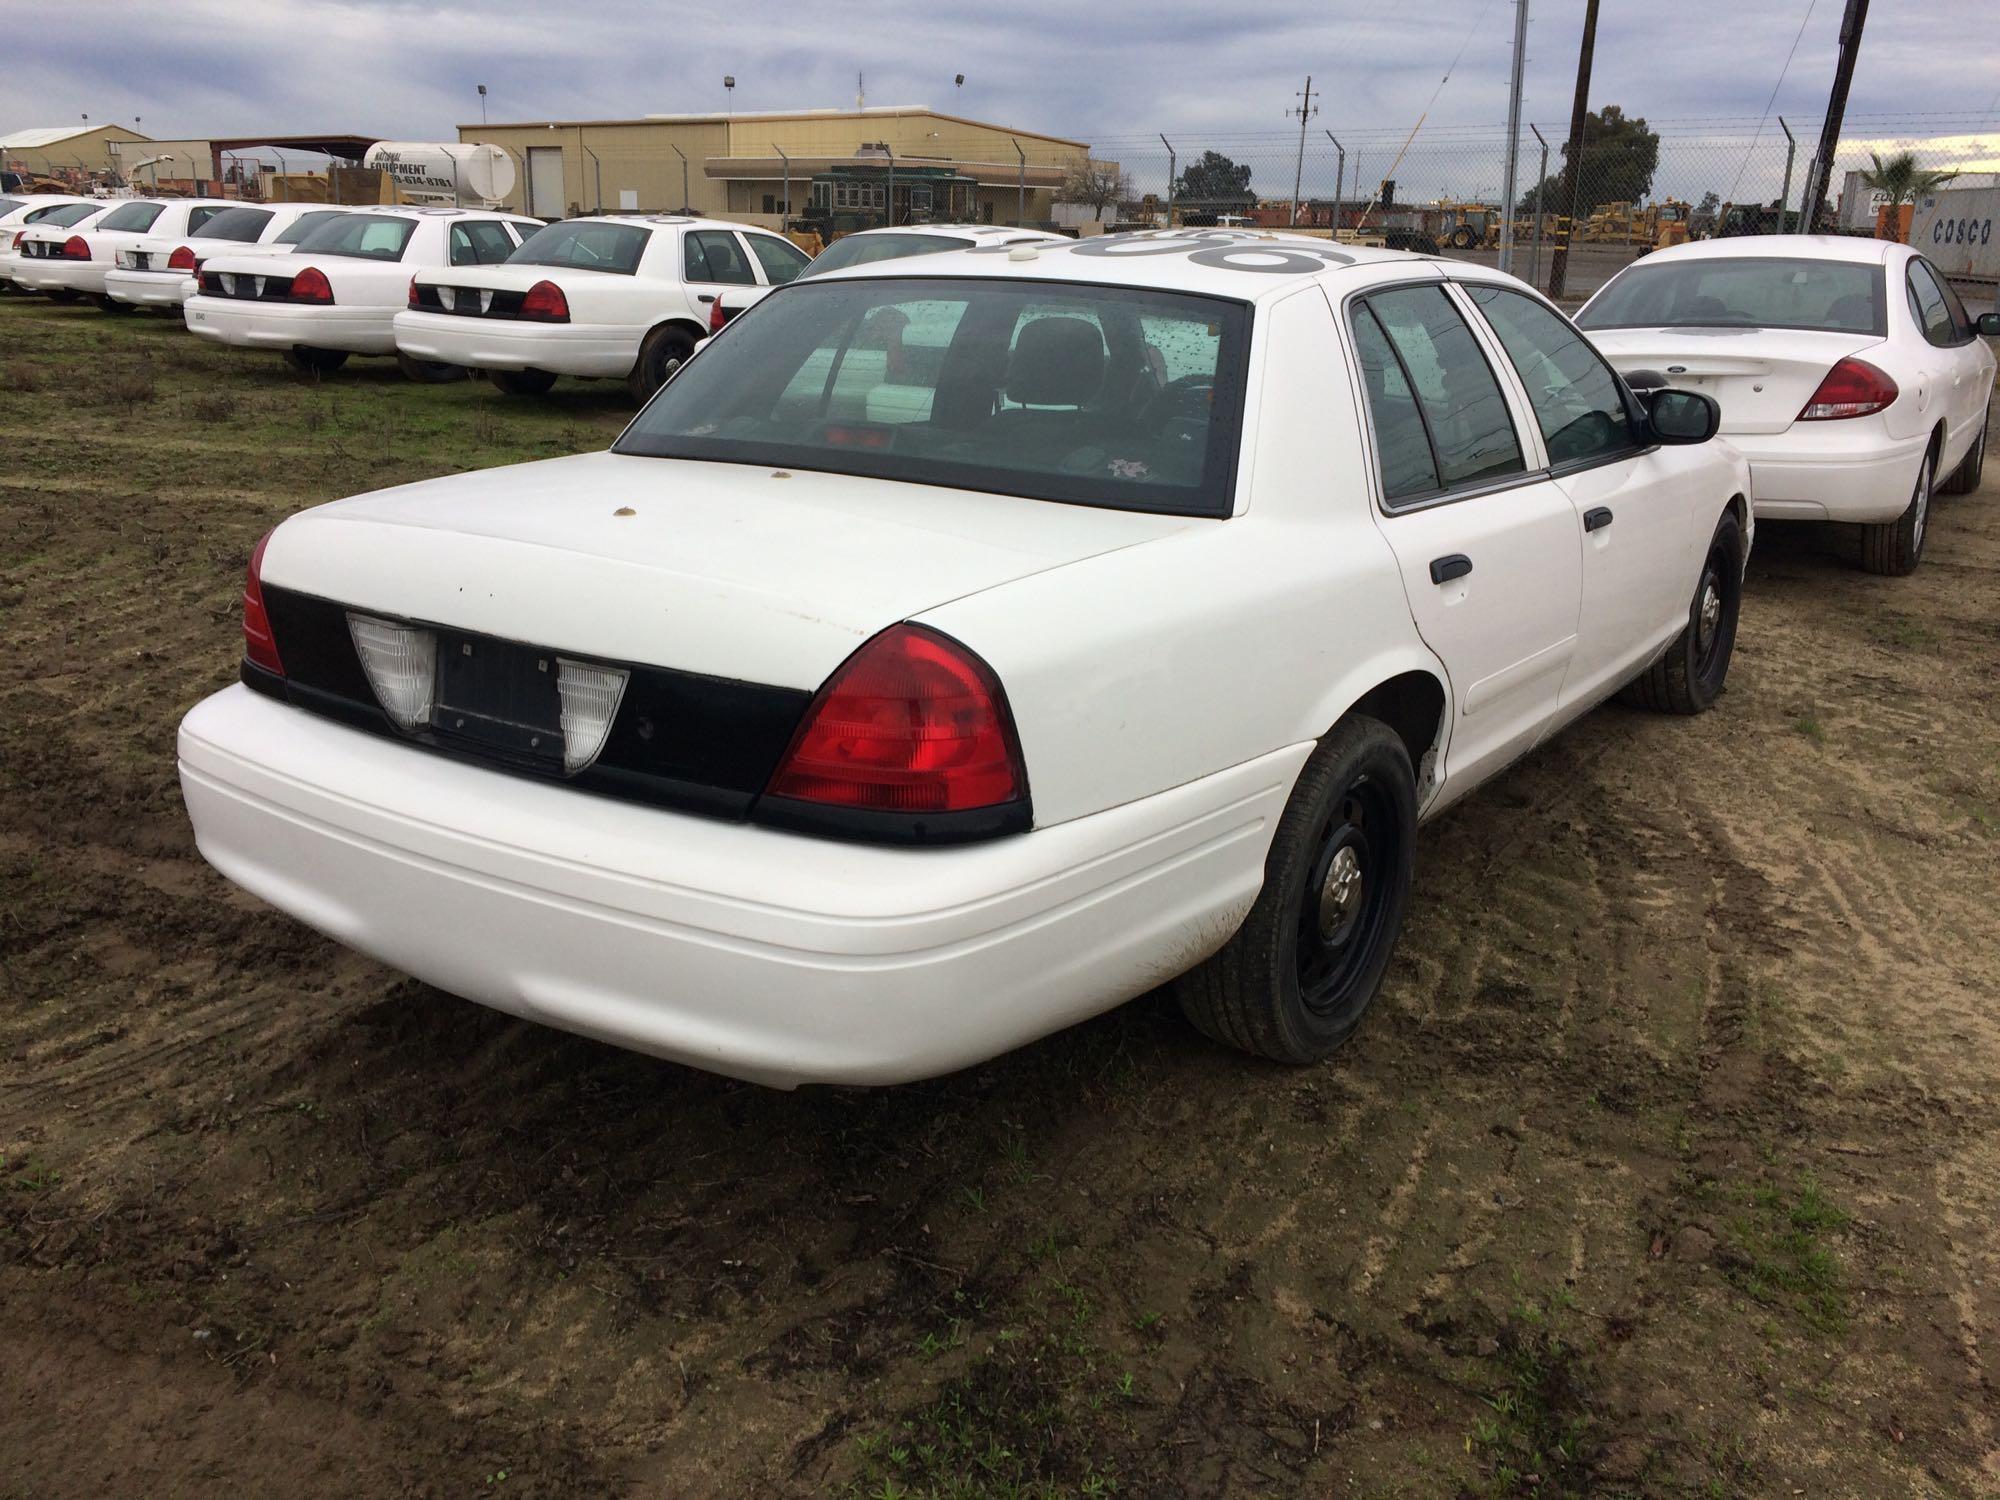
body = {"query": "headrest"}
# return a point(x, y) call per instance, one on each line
point(1057, 362)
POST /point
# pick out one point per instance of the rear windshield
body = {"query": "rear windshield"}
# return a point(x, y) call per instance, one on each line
point(1108, 396)
point(65, 215)
point(584, 245)
point(362, 236)
point(865, 249)
point(305, 224)
point(133, 215)
point(1742, 292)
point(8, 205)
point(240, 224)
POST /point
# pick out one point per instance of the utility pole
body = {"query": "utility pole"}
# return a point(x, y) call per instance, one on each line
point(1339, 182)
point(1021, 212)
point(1573, 166)
point(1171, 160)
point(1513, 136)
point(1785, 193)
point(787, 224)
point(1541, 177)
point(686, 206)
point(1306, 110)
point(1820, 173)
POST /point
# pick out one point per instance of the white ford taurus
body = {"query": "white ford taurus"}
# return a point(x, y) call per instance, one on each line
point(337, 293)
point(159, 272)
point(941, 659)
point(67, 264)
point(1849, 373)
point(620, 297)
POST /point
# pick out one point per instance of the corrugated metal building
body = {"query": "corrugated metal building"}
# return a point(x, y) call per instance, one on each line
point(106, 151)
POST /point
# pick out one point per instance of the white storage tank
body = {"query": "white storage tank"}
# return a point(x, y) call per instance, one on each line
point(445, 172)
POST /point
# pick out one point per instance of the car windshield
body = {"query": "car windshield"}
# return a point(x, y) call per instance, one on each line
point(584, 245)
point(1088, 395)
point(865, 249)
point(363, 236)
point(137, 214)
point(240, 224)
point(1763, 291)
point(67, 215)
point(305, 224)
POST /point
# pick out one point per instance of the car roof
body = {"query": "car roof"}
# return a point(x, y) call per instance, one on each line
point(1842, 247)
point(993, 232)
point(656, 221)
point(1245, 265)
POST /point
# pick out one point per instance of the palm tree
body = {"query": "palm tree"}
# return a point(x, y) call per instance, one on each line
point(1900, 179)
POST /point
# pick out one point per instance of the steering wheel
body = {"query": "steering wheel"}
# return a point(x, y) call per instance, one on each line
point(1176, 401)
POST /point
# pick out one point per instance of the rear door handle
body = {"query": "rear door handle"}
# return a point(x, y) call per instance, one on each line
point(1444, 569)
point(1594, 520)
point(704, 296)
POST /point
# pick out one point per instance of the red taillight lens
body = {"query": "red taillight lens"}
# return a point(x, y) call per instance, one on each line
point(546, 303)
point(716, 316)
point(413, 293)
point(311, 285)
point(181, 260)
point(75, 248)
point(260, 647)
point(1852, 388)
point(911, 723)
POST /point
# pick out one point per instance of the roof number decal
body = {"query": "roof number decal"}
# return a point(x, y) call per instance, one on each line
point(1220, 250)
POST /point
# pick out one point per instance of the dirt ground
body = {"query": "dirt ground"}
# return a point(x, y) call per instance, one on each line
point(1667, 1165)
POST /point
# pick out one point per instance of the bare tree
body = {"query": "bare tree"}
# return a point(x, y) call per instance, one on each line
point(1096, 184)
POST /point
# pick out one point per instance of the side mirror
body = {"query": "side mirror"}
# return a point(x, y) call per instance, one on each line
point(1683, 416)
point(1989, 324)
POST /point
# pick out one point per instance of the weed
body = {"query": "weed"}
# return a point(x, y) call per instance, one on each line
point(1808, 726)
point(1779, 1255)
point(26, 1174)
point(1538, 1439)
point(130, 389)
point(23, 378)
point(211, 407)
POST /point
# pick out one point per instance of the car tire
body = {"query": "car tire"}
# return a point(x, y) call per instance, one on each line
point(1972, 468)
point(1690, 676)
point(523, 382)
point(309, 361)
point(1302, 970)
point(665, 351)
point(113, 305)
point(1894, 548)
point(63, 295)
point(430, 371)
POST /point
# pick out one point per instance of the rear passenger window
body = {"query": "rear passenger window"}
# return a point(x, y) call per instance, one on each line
point(1929, 307)
point(781, 259)
point(714, 255)
point(1464, 416)
point(480, 242)
point(1402, 448)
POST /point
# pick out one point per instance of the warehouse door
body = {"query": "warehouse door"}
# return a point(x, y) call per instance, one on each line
point(545, 182)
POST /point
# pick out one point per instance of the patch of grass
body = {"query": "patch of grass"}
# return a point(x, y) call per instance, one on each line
point(1901, 633)
point(27, 1174)
point(1539, 1438)
point(23, 378)
point(1808, 726)
point(1779, 1253)
point(127, 388)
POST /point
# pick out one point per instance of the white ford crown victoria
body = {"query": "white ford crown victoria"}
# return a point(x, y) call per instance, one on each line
point(941, 659)
point(20, 212)
point(159, 271)
point(65, 265)
point(1849, 373)
point(621, 297)
point(337, 293)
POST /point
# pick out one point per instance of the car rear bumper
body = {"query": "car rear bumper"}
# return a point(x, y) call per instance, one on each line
point(738, 949)
point(149, 288)
point(1814, 472)
point(590, 350)
point(358, 330)
point(40, 275)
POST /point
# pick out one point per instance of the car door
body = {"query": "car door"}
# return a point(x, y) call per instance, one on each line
point(712, 259)
point(1486, 544)
point(1634, 503)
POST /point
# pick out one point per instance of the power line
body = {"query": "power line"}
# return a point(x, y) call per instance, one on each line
point(1759, 131)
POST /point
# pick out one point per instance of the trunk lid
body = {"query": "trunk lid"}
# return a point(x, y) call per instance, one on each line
point(734, 571)
point(1761, 377)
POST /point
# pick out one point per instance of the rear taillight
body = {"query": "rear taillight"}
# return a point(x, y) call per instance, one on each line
point(181, 260)
point(260, 647)
point(311, 285)
point(545, 303)
point(209, 282)
point(716, 317)
point(913, 722)
point(1852, 388)
point(412, 299)
point(76, 248)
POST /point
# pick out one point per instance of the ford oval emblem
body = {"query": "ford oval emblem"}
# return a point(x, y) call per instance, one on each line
point(1677, 369)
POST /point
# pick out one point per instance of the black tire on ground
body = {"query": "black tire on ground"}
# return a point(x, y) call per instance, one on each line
point(523, 382)
point(309, 361)
point(1965, 478)
point(1690, 676)
point(430, 371)
point(665, 351)
point(112, 304)
point(1894, 548)
point(1301, 971)
point(64, 295)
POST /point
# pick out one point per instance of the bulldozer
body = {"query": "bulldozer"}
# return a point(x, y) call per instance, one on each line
point(1466, 226)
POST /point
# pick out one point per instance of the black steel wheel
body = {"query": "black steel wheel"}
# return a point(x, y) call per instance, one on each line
point(1690, 676)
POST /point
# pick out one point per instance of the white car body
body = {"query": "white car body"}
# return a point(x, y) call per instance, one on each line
point(42, 266)
point(145, 277)
point(1168, 675)
point(1854, 469)
point(246, 308)
point(669, 286)
point(32, 208)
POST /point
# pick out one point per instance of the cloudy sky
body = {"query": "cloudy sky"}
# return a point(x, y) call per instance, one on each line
point(1112, 73)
